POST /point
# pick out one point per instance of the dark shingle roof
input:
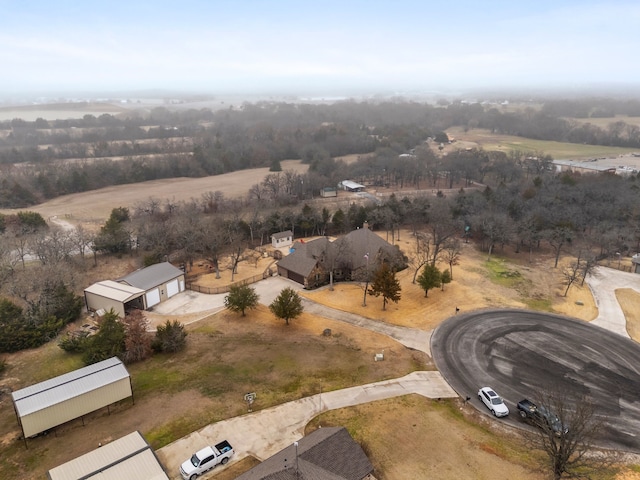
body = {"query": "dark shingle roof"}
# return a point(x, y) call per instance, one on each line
point(152, 276)
point(355, 245)
point(325, 454)
point(305, 256)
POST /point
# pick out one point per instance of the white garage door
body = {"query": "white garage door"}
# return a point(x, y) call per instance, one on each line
point(172, 288)
point(153, 297)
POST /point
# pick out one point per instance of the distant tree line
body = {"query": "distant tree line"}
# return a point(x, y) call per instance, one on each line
point(197, 143)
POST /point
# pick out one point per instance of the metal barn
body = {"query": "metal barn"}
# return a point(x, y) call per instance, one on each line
point(109, 295)
point(53, 402)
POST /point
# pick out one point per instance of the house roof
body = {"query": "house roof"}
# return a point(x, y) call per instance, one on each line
point(114, 290)
point(58, 389)
point(152, 276)
point(285, 234)
point(305, 256)
point(363, 243)
point(325, 454)
point(127, 457)
point(353, 249)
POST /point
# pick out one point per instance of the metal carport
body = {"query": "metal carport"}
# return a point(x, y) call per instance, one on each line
point(53, 402)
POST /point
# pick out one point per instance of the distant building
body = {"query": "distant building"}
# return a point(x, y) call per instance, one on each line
point(581, 167)
point(350, 186)
point(329, 192)
point(282, 239)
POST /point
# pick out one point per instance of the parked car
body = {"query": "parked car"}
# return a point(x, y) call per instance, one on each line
point(493, 402)
point(541, 417)
point(205, 459)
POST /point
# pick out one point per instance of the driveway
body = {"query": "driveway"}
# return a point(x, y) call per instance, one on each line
point(603, 283)
point(263, 433)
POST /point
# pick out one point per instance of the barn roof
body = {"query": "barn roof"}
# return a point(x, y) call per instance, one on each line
point(351, 185)
point(56, 390)
point(127, 457)
point(152, 276)
point(114, 290)
point(325, 454)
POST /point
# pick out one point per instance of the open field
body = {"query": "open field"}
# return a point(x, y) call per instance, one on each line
point(478, 138)
point(93, 208)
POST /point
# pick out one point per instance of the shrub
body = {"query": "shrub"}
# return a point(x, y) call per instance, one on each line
point(170, 337)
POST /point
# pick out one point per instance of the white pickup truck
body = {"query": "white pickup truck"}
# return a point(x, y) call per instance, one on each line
point(205, 459)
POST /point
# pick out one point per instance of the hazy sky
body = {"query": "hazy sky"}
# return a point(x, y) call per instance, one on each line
point(252, 46)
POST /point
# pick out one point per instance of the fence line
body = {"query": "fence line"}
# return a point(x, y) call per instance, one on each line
point(225, 288)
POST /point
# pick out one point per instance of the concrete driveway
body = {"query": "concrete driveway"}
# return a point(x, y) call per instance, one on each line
point(189, 302)
point(266, 432)
point(603, 283)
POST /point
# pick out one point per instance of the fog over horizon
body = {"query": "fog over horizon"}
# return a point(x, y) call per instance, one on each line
point(333, 49)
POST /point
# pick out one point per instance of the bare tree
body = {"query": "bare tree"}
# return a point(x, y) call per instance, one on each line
point(569, 449)
point(571, 273)
point(51, 247)
point(421, 253)
point(81, 239)
point(451, 252)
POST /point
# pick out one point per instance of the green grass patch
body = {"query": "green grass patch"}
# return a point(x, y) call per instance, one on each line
point(557, 150)
point(501, 273)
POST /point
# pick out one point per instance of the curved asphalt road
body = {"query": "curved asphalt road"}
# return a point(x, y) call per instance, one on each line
point(519, 353)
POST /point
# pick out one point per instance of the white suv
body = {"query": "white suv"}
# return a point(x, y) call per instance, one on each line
point(493, 402)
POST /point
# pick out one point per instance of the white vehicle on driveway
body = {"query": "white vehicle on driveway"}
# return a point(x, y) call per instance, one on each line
point(205, 459)
point(493, 401)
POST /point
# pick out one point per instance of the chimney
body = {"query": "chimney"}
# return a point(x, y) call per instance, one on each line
point(365, 225)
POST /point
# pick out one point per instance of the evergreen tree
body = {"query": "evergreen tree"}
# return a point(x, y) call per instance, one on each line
point(386, 284)
point(240, 298)
point(108, 342)
point(430, 278)
point(288, 305)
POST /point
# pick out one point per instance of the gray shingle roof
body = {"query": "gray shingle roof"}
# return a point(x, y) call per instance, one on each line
point(305, 256)
point(152, 276)
point(325, 454)
point(356, 245)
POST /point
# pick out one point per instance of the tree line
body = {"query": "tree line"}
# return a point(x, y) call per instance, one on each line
point(201, 142)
